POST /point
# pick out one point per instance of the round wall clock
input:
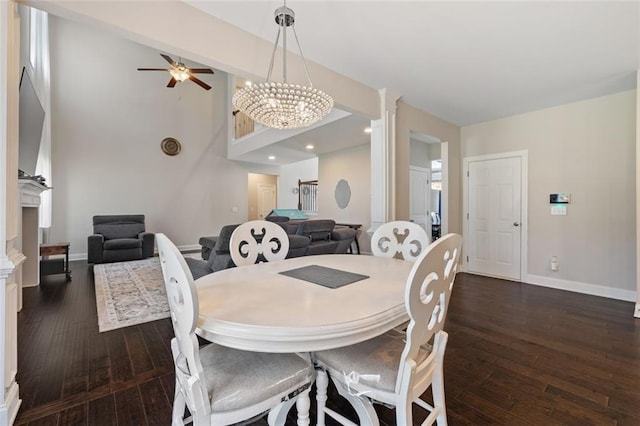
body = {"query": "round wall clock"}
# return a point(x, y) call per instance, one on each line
point(170, 146)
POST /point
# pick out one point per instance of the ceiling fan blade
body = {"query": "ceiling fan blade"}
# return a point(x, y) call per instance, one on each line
point(152, 69)
point(201, 70)
point(172, 82)
point(167, 58)
point(200, 83)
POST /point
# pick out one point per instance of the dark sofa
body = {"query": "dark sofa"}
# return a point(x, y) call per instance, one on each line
point(306, 238)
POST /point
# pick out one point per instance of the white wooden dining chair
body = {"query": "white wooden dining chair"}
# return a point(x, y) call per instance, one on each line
point(220, 385)
point(396, 369)
point(258, 237)
point(399, 237)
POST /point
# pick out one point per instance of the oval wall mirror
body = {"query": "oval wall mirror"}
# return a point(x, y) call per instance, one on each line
point(342, 193)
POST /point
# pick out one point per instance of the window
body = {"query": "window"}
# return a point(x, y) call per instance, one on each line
point(33, 37)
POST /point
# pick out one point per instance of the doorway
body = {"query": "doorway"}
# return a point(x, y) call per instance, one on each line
point(495, 220)
point(428, 154)
point(420, 197)
point(262, 193)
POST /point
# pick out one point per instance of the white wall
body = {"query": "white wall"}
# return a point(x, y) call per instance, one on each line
point(354, 166)
point(587, 149)
point(108, 122)
point(288, 180)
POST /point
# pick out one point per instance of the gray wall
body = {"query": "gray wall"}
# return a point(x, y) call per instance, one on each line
point(587, 149)
point(354, 166)
point(108, 122)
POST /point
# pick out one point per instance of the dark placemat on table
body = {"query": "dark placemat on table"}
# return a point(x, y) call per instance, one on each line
point(327, 277)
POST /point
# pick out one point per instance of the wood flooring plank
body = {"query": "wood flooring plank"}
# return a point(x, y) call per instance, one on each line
point(157, 347)
point(121, 370)
point(98, 363)
point(75, 376)
point(50, 420)
point(140, 358)
point(155, 403)
point(129, 409)
point(102, 411)
point(75, 416)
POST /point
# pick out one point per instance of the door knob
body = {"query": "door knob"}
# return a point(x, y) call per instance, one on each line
point(516, 223)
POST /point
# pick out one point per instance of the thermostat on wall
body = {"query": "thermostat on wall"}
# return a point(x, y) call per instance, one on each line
point(564, 198)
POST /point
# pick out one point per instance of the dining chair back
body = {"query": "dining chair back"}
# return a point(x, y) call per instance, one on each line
point(403, 238)
point(221, 385)
point(396, 369)
point(258, 240)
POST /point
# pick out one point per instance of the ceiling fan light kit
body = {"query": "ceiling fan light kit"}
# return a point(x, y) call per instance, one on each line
point(282, 105)
point(180, 72)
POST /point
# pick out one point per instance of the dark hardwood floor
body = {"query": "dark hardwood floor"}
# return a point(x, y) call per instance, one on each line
point(517, 355)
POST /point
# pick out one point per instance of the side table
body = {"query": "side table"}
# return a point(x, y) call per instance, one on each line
point(55, 266)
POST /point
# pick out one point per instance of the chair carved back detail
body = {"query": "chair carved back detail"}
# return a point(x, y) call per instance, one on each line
point(221, 392)
point(183, 303)
point(427, 299)
point(407, 364)
point(258, 237)
point(399, 237)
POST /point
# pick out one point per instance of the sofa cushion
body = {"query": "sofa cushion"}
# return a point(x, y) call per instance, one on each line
point(317, 230)
point(322, 247)
point(222, 244)
point(122, 255)
point(118, 226)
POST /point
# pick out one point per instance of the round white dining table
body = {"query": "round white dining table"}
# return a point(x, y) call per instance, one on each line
point(256, 308)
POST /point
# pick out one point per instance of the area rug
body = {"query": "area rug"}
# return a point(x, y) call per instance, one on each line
point(129, 293)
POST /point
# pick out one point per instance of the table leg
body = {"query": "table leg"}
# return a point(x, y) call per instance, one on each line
point(66, 265)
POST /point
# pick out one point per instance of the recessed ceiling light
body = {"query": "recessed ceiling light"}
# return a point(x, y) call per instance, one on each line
point(248, 83)
point(272, 157)
point(310, 146)
point(367, 130)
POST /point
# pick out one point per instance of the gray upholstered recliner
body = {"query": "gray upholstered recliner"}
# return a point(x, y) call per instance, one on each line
point(117, 238)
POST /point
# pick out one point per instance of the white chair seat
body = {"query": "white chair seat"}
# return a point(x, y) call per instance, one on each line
point(242, 378)
point(380, 355)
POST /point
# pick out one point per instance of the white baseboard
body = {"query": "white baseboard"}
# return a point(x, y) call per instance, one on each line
point(77, 256)
point(578, 287)
point(185, 248)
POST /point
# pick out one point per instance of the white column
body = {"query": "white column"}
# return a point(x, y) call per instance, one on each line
point(383, 158)
point(9, 70)
point(637, 309)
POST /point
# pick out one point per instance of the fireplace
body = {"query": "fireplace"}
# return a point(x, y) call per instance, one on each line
point(28, 269)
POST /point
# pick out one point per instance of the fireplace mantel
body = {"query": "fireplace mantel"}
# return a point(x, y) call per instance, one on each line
point(30, 191)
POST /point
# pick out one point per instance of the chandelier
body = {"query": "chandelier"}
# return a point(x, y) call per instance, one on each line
point(283, 105)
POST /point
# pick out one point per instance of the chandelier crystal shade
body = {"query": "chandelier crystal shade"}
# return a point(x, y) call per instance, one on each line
point(283, 105)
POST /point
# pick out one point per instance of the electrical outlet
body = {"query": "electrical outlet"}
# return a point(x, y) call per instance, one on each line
point(234, 209)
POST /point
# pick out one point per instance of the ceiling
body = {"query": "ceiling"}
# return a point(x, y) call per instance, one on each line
point(465, 62)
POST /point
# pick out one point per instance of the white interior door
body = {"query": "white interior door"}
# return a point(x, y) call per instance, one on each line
point(420, 197)
point(494, 217)
point(266, 199)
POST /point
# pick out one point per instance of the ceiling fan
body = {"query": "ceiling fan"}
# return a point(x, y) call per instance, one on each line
point(179, 72)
